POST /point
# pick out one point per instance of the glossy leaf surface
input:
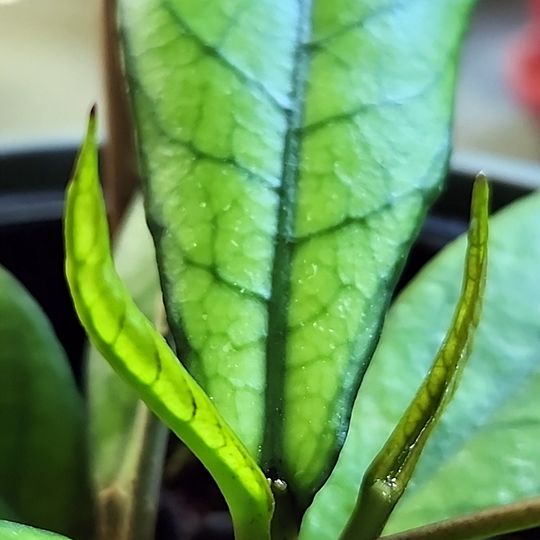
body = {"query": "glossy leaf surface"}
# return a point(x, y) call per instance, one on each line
point(15, 531)
point(42, 427)
point(142, 357)
point(484, 451)
point(289, 150)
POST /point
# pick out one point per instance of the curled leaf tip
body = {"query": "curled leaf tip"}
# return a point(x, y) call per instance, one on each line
point(481, 188)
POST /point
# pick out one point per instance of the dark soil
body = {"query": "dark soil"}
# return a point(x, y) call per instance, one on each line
point(191, 506)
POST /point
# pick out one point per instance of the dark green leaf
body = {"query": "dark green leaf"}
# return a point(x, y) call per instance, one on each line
point(289, 151)
point(6, 512)
point(485, 450)
point(42, 440)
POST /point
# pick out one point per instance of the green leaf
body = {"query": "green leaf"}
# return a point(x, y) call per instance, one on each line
point(127, 441)
point(142, 357)
point(388, 475)
point(6, 512)
point(289, 150)
point(484, 451)
point(112, 402)
point(43, 463)
point(16, 531)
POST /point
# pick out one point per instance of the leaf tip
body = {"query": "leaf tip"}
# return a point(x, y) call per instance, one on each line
point(92, 121)
point(480, 195)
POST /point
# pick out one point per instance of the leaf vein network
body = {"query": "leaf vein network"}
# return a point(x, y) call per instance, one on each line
point(215, 53)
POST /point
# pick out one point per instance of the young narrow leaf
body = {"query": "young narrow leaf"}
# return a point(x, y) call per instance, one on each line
point(289, 150)
point(127, 441)
point(16, 531)
point(142, 357)
point(488, 436)
point(387, 477)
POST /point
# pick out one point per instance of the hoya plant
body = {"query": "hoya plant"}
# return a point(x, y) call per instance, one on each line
point(288, 153)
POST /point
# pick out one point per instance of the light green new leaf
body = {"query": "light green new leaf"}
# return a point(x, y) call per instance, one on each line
point(16, 531)
point(43, 463)
point(289, 150)
point(127, 442)
point(142, 357)
point(484, 451)
point(388, 475)
point(112, 402)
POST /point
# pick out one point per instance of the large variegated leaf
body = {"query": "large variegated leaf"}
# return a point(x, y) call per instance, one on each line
point(289, 150)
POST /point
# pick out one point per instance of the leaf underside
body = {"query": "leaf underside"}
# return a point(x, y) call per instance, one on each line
point(289, 150)
point(484, 451)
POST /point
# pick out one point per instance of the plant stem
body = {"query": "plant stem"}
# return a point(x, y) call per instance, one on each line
point(121, 176)
point(127, 509)
point(486, 523)
point(373, 507)
point(285, 521)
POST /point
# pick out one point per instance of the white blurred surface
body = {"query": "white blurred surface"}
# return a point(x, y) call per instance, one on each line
point(489, 123)
point(49, 70)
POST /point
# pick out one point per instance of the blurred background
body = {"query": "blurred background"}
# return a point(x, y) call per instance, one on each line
point(50, 75)
point(49, 70)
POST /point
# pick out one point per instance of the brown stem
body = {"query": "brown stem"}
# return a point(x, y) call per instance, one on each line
point(120, 162)
point(286, 520)
point(486, 523)
point(127, 509)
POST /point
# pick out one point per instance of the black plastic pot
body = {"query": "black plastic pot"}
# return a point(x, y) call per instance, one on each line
point(32, 185)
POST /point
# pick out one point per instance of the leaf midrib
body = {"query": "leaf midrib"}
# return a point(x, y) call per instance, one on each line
point(276, 342)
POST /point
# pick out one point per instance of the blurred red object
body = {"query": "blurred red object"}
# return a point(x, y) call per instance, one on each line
point(523, 62)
